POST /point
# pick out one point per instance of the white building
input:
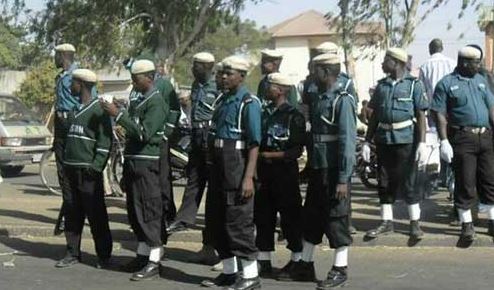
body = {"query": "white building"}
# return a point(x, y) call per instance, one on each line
point(298, 36)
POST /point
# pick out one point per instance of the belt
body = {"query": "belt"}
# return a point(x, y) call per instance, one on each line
point(62, 114)
point(201, 125)
point(221, 143)
point(474, 130)
point(323, 138)
point(395, 126)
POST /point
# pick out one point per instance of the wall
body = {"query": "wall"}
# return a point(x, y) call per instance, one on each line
point(10, 81)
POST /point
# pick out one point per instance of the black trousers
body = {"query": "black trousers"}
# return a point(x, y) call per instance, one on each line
point(144, 200)
point(279, 191)
point(323, 213)
point(397, 172)
point(197, 176)
point(166, 188)
point(229, 217)
point(473, 165)
point(86, 199)
point(60, 134)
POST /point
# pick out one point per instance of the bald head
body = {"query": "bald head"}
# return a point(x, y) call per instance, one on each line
point(435, 46)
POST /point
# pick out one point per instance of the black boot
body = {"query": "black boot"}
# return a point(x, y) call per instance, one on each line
point(490, 228)
point(222, 280)
point(150, 271)
point(286, 273)
point(467, 232)
point(246, 284)
point(415, 231)
point(136, 264)
point(67, 261)
point(336, 277)
point(386, 227)
point(304, 272)
point(265, 269)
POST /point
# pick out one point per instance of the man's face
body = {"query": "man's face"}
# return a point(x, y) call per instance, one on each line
point(199, 70)
point(76, 87)
point(273, 92)
point(141, 82)
point(320, 74)
point(219, 80)
point(388, 65)
point(58, 59)
point(232, 79)
point(469, 67)
point(184, 99)
point(269, 65)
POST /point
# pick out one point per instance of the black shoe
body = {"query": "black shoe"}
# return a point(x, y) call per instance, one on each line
point(205, 256)
point(246, 284)
point(386, 227)
point(136, 264)
point(467, 232)
point(415, 231)
point(67, 261)
point(352, 230)
point(222, 280)
point(304, 272)
point(176, 227)
point(286, 273)
point(265, 269)
point(103, 263)
point(150, 271)
point(336, 278)
point(490, 228)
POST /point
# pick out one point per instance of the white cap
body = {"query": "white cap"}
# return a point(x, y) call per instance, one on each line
point(142, 66)
point(273, 53)
point(236, 63)
point(84, 75)
point(327, 47)
point(279, 79)
point(398, 53)
point(204, 57)
point(218, 66)
point(326, 58)
point(470, 52)
point(65, 47)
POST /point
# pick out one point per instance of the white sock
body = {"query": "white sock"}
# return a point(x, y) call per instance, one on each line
point(387, 212)
point(230, 265)
point(143, 249)
point(465, 215)
point(414, 211)
point(308, 252)
point(490, 212)
point(264, 256)
point(155, 254)
point(341, 257)
point(296, 256)
point(250, 269)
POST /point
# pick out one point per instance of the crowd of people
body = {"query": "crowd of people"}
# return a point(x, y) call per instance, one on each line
point(244, 150)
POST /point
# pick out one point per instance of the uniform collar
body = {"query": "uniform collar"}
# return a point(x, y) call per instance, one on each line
point(242, 90)
point(209, 83)
point(69, 70)
point(406, 76)
point(460, 77)
point(272, 109)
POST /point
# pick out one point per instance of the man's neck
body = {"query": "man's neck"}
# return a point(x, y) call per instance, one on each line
point(279, 101)
point(398, 74)
point(85, 97)
point(67, 65)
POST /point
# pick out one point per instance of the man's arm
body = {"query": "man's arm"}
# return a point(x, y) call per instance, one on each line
point(103, 143)
point(252, 121)
point(421, 104)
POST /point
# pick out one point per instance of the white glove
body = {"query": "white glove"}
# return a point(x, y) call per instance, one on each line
point(366, 152)
point(446, 151)
point(421, 154)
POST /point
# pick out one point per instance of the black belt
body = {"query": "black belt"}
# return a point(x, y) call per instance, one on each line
point(200, 125)
point(473, 130)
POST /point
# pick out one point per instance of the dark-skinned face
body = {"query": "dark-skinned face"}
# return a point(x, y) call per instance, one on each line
point(232, 79)
point(274, 91)
point(200, 70)
point(469, 67)
point(76, 87)
point(322, 76)
point(388, 65)
point(141, 82)
point(58, 59)
point(219, 80)
point(269, 65)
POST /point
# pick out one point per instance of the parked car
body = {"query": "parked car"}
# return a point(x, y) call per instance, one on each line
point(23, 137)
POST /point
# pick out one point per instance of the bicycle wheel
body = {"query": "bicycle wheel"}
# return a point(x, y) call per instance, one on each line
point(48, 172)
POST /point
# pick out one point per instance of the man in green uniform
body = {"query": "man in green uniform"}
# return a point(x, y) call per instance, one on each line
point(270, 63)
point(463, 106)
point(87, 147)
point(283, 132)
point(236, 125)
point(143, 123)
point(397, 126)
point(331, 159)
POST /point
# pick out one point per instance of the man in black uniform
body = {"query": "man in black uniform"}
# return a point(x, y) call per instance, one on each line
point(283, 130)
point(87, 146)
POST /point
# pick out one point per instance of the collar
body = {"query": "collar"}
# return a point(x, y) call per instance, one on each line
point(285, 107)
point(241, 91)
point(460, 77)
point(406, 76)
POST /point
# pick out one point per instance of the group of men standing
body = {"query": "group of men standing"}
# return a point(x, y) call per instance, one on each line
point(245, 149)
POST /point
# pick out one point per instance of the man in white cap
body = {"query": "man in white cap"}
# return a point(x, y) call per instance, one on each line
point(143, 123)
point(87, 148)
point(270, 63)
point(236, 134)
point(397, 127)
point(464, 109)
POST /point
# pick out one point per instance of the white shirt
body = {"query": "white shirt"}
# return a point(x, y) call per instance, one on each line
point(434, 69)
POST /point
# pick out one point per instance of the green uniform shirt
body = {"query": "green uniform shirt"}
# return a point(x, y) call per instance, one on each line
point(89, 138)
point(464, 101)
point(262, 91)
point(333, 133)
point(143, 123)
point(172, 105)
point(283, 130)
point(203, 97)
point(394, 102)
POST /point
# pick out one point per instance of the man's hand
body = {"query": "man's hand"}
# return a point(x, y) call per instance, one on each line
point(446, 151)
point(366, 152)
point(421, 154)
point(341, 191)
point(247, 187)
point(110, 108)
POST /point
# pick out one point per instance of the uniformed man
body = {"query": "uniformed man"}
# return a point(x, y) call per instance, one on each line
point(464, 110)
point(397, 127)
point(143, 123)
point(283, 132)
point(203, 95)
point(87, 147)
point(270, 63)
point(230, 208)
point(327, 205)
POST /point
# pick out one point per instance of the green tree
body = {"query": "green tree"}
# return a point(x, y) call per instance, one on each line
point(10, 47)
